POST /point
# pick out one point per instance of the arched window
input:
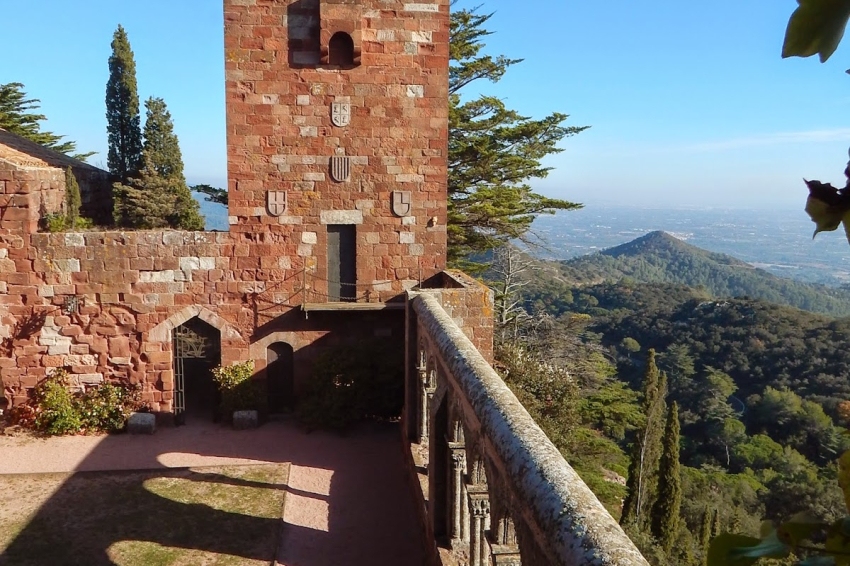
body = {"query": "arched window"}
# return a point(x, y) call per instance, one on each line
point(341, 50)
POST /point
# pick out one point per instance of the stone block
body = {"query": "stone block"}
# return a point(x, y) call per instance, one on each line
point(243, 420)
point(141, 423)
point(341, 217)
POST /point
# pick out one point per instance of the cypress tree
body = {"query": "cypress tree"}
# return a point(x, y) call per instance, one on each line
point(122, 110)
point(705, 534)
point(715, 524)
point(646, 448)
point(158, 196)
point(665, 512)
point(73, 200)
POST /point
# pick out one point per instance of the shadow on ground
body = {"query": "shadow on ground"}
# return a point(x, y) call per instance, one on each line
point(347, 501)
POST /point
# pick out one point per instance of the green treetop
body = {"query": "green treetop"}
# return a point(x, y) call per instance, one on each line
point(17, 117)
point(664, 520)
point(493, 151)
point(158, 196)
point(122, 110)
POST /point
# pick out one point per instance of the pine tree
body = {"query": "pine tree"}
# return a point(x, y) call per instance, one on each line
point(665, 511)
point(17, 117)
point(73, 201)
point(158, 196)
point(493, 151)
point(122, 110)
point(646, 448)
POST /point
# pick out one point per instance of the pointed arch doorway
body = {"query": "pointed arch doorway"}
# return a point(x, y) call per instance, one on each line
point(197, 349)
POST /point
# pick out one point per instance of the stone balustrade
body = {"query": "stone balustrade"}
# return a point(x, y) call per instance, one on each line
point(498, 491)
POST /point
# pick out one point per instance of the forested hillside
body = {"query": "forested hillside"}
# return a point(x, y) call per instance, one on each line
point(762, 390)
point(660, 258)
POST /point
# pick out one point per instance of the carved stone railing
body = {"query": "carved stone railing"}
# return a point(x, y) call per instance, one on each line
point(498, 491)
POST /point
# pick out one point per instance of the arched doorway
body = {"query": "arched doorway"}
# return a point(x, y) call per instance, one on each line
point(280, 378)
point(197, 349)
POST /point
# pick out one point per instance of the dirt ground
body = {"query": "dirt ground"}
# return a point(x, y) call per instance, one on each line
point(347, 500)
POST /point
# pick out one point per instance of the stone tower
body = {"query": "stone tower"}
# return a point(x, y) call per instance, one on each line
point(336, 139)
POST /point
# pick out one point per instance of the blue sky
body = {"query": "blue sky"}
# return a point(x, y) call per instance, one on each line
point(690, 103)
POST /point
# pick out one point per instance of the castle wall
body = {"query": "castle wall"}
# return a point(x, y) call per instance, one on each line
point(131, 289)
point(318, 135)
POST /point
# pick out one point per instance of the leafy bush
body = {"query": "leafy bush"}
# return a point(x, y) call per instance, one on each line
point(53, 409)
point(354, 382)
point(238, 391)
point(57, 411)
point(106, 407)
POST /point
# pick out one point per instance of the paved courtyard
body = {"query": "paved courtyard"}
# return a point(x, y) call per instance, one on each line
point(347, 500)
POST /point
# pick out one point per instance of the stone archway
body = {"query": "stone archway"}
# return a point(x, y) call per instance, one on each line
point(162, 331)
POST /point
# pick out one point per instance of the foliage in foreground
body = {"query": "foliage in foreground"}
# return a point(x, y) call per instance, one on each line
point(806, 535)
point(351, 383)
point(54, 409)
point(816, 28)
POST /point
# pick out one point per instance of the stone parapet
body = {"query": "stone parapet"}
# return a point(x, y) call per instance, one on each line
point(496, 484)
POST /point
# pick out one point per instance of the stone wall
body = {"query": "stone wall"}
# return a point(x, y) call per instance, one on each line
point(128, 290)
point(35, 176)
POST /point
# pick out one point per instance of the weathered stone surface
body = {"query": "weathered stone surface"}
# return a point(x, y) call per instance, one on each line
point(569, 524)
point(141, 423)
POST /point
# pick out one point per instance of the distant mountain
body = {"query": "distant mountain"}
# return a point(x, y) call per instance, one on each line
point(659, 257)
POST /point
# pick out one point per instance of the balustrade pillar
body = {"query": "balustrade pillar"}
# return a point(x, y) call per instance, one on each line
point(479, 504)
point(458, 454)
point(424, 405)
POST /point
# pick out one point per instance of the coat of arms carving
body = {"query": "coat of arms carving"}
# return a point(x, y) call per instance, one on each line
point(340, 168)
point(276, 202)
point(341, 114)
point(402, 203)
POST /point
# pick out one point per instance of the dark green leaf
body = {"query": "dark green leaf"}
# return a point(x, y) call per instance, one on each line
point(816, 26)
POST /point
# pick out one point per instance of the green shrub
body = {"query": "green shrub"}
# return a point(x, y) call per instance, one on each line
point(55, 223)
point(53, 409)
point(57, 411)
point(60, 223)
point(105, 408)
point(354, 382)
point(238, 391)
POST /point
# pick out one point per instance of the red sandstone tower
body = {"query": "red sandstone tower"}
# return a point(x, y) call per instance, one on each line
point(336, 139)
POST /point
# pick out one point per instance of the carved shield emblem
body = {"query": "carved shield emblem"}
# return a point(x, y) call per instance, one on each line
point(341, 114)
point(340, 168)
point(402, 203)
point(276, 202)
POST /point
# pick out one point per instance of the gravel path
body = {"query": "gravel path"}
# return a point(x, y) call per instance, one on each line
point(347, 503)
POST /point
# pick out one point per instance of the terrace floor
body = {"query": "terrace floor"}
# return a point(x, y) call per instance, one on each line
point(347, 499)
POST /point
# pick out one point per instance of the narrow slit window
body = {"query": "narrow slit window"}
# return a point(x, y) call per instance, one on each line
point(341, 50)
